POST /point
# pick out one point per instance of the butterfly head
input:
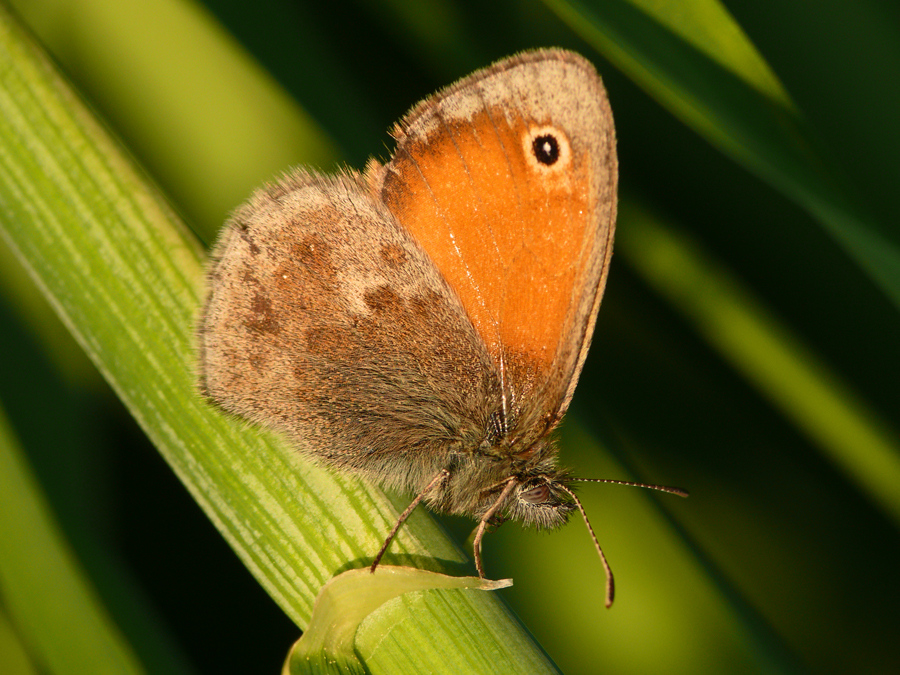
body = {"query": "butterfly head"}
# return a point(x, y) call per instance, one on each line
point(541, 501)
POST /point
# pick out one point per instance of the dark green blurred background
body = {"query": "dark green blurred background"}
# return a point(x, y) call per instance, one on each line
point(781, 560)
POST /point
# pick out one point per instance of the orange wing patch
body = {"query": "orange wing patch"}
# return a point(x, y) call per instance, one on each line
point(511, 236)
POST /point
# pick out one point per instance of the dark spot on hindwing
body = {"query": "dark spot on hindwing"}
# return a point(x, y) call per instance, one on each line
point(316, 256)
point(425, 305)
point(393, 255)
point(383, 299)
point(261, 318)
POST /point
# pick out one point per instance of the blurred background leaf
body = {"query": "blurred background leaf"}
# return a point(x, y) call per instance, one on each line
point(757, 140)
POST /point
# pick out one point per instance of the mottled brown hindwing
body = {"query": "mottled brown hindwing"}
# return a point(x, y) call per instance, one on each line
point(326, 320)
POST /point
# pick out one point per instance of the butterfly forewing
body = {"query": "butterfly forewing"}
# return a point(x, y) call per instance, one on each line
point(507, 179)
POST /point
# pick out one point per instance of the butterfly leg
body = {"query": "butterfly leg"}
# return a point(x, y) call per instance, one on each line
point(485, 520)
point(442, 476)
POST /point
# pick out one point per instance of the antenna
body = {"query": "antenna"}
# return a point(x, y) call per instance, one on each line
point(661, 488)
point(610, 582)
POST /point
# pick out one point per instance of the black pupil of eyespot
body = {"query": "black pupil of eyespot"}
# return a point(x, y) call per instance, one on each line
point(546, 149)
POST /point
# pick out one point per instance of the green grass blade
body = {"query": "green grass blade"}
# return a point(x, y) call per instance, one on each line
point(59, 618)
point(767, 353)
point(126, 277)
point(204, 86)
point(14, 656)
point(695, 60)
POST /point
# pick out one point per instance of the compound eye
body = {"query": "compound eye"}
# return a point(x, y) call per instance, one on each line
point(539, 494)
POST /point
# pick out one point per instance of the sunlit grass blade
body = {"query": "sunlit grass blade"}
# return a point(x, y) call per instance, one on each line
point(126, 277)
point(696, 61)
point(57, 613)
point(766, 352)
point(14, 656)
point(208, 133)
